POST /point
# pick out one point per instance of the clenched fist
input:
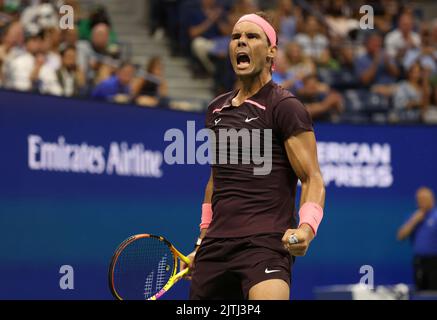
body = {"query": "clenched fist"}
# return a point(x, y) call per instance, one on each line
point(303, 236)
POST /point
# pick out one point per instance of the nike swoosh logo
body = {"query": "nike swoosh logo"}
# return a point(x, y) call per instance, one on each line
point(217, 121)
point(271, 271)
point(251, 119)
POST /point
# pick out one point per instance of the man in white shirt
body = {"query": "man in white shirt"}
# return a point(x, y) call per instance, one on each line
point(67, 80)
point(312, 41)
point(398, 41)
point(22, 71)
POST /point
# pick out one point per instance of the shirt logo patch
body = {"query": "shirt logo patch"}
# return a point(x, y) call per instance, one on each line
point(271, 271)
point(216, 121)
point(250, 119)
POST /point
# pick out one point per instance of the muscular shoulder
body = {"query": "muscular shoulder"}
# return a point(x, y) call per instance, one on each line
point(289, 115)
point(280, 96)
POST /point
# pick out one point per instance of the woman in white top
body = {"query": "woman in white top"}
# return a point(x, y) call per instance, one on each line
point(412, 96)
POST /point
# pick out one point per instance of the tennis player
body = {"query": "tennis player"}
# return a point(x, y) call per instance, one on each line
point(249, 230)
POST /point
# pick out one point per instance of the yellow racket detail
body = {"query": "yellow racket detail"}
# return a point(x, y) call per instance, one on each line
point(145, 266)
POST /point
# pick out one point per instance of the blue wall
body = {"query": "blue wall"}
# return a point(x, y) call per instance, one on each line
point(52, 218)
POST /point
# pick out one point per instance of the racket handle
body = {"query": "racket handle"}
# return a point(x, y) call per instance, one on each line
point(181, 274)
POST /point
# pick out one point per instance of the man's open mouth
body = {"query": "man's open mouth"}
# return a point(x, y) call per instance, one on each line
point(243, 60)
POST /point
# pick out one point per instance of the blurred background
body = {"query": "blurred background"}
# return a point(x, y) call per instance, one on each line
point(84, 111)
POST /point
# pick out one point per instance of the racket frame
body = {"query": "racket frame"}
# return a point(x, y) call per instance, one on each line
point(175, 276)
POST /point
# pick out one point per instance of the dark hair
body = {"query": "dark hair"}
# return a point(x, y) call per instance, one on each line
point(370, 34)
point(124, 64)
point(152, 63)
point(271, 21)
point(98, 15)
point(63, 50)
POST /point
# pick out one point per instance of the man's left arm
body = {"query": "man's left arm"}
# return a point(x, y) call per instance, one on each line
point(302, 153)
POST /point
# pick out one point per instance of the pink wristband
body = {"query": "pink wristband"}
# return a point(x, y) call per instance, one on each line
point(206, 215)
point(312, 214)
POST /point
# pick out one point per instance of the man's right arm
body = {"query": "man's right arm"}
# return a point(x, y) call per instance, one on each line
point(408, 228)
point(207, 199)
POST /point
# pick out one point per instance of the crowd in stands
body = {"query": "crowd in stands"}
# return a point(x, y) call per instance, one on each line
point(340, 70)
point(36, 55)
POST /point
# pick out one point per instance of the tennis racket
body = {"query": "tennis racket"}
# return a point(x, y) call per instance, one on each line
point(144, 267)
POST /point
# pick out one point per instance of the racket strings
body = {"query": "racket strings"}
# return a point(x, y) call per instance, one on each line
point(143, 268)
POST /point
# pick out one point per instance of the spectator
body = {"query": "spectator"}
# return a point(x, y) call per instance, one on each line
point(421, 228)
point(157, 16)
point(98, 15)
point(297, 62)
point(339, 20)
point(284, 77)
point(205, 26)
point(98, 57)
point(385, 14)
point(413, 93)
point(426, 54)
point(347, 58)
point(117, 87)
point(340, 72)
point(51, 42)
point(238, 9)
point(21, 73)
point(5, 17)
point(346, 77)
point(322, 103)
point(151, 89)
point(375, 66)
point(400, 40)
point(312, 41)
point(10, 46)
point(67, 81)
point(224, 76)
point(287, 17)
point(69, 37)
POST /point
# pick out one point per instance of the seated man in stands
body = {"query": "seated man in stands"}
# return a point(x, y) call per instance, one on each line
point(322, 103)
point(341, 73)
point(98, 57)
point(66, 81)
point(205, 25)
point(21, 71)
point(375, 67)
point(116, 88)
point(312, 41)
point(402, 39)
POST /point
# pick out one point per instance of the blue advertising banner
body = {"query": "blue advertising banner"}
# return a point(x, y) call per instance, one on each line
point(78, 177)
